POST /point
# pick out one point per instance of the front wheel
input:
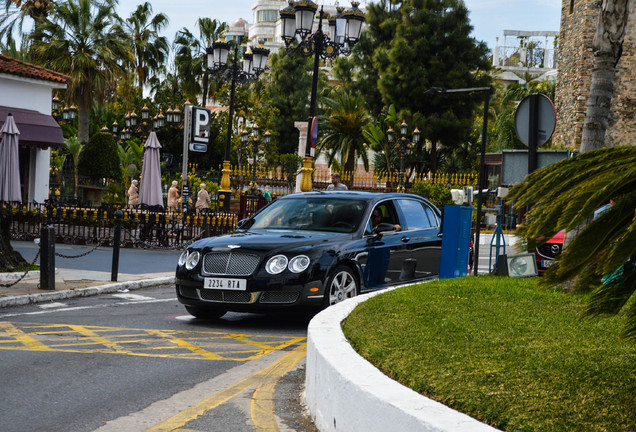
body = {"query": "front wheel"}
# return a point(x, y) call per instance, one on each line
point(205, 313)
point(341, 285)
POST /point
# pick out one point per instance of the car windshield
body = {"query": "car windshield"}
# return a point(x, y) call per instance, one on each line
point(313, 214)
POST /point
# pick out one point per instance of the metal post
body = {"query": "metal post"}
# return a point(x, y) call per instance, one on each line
point(307, 170)
point(482, 178)
point(187, 120)
point(116, 240)
point(47, 257)
point(533, 129)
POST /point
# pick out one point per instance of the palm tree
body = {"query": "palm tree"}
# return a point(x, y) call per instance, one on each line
point(566, 194)
point(150, 49)
point(15, 13)
point(346, 119)
point(74, 148)
point(608, 48)
point(82, 39)
point(191, 56)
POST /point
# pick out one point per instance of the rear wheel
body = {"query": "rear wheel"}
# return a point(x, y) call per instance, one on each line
point(341, 285)
point(205, 313)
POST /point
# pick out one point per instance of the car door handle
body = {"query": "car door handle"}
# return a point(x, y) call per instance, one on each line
point(405, 239)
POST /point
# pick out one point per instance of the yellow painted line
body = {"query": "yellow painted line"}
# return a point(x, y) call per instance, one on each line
point(184, 344)
point(85, 331)
point(178, 344)
point(178, 421)
point(262, 405)
point(22, 337)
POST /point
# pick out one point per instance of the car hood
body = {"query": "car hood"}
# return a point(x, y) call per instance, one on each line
point(268, 240)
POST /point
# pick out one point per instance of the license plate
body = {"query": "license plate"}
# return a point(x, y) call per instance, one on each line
point(546, 263)
point(225, 284)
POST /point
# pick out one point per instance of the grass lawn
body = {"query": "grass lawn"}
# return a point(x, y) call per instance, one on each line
point(504, 352)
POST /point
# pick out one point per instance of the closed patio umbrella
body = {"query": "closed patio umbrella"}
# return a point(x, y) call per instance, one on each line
point(150, 183)
point(9, 162)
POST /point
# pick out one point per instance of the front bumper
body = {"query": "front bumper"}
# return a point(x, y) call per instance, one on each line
point(289, 296)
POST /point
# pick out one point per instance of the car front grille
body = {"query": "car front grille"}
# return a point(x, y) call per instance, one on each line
point(279, 297)
point(230, 263)
point(549, 250)
point(226, 296)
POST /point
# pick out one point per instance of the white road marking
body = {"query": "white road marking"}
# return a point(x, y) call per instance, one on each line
point(69, 309)
point(133, 297)
point(52, 305)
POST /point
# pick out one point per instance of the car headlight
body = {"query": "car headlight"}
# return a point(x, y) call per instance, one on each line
point(276, 264)
point(192, 260)
point(182, 258)
point(299, 263)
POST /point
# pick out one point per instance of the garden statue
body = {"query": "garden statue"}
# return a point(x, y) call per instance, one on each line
point(173, 195)
point(203, 198)
point(133, 194)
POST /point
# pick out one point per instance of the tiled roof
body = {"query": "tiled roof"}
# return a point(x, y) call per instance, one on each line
point(15, 67)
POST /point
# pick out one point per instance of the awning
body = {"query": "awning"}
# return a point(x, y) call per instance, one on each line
point(36, 129)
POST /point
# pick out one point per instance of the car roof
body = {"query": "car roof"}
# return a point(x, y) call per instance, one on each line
point(361, 195)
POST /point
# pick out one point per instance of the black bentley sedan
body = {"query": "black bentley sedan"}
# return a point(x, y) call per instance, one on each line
point(311, 250)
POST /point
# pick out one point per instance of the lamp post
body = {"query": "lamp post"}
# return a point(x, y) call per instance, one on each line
point(482, 159)
point(402, 145)
point(255, 148)
point(253, 65)
point(297, 25)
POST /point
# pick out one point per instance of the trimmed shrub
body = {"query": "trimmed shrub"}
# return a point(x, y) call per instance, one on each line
point(100, 159)
point(437, 193)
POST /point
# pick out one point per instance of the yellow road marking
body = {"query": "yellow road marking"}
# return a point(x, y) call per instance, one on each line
point(22, 337)
point(269, 373)
point(137, 342)
point(262, 405)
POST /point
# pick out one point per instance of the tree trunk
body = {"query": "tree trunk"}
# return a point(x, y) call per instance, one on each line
point(10, 260)
point(608, 48)
point(434, 156)
point(83, 115)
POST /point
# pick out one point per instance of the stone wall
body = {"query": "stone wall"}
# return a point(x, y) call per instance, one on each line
point(575, 62)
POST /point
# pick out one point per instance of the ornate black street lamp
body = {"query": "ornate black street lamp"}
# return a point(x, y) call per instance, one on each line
point(402, 145)
point(254, 63)
point(297, 25)
point(255, 148)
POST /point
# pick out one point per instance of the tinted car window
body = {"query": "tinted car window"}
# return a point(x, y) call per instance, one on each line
point(323, 214)
point(417, 215)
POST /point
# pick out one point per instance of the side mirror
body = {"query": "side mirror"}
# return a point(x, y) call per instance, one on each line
point(240, 223)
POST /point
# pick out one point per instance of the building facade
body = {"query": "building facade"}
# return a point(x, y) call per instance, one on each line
point(576, 60)
point(26, 91)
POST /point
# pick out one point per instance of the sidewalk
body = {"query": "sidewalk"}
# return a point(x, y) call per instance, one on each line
point(73, 283)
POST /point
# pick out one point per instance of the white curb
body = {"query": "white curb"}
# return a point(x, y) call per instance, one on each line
point(344, 392)
point(83, 292)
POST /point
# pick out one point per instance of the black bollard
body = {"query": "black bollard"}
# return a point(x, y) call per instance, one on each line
point(47, 258)
point(116, 240)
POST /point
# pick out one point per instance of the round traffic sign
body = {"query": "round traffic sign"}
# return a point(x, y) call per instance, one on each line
point(545, 118)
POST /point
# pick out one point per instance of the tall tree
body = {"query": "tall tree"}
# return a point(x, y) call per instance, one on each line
point(150, 49)
point(288, 81)
point(16, 11)
point(608, 49)
point(191, 56)
point(346, 119)
point(82, 38)
point(432, 47)
point(74, 148)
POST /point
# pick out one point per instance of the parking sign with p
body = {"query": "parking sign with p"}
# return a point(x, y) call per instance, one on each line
point(200, 125)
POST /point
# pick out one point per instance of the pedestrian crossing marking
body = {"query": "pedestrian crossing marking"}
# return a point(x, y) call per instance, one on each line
point(198, 345)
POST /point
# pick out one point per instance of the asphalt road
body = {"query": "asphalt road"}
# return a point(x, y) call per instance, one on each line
point(131, 260)
point(137, 361)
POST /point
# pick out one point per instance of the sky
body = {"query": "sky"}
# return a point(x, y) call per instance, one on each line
point(488, 17)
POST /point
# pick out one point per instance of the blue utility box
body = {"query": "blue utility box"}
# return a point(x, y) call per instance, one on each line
point(455, 242)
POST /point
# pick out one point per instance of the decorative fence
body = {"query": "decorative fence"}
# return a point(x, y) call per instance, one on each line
point(140, 227)
point(156, 227)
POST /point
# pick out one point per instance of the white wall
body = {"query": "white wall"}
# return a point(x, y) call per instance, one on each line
point(36, 95)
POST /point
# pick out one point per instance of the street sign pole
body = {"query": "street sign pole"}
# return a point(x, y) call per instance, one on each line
point(533, 120)
point(186, 141)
